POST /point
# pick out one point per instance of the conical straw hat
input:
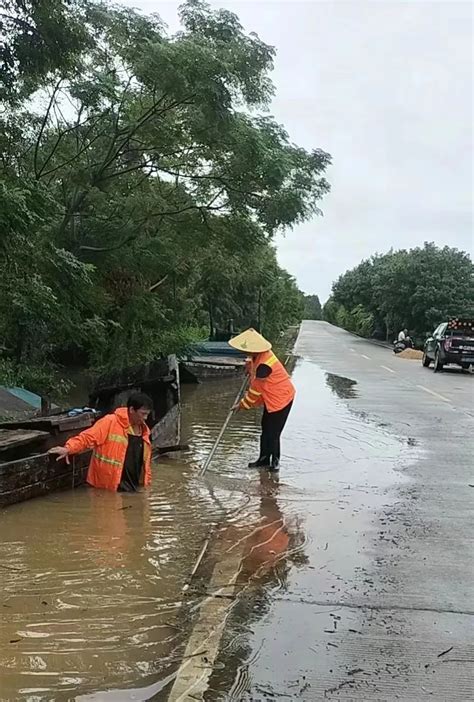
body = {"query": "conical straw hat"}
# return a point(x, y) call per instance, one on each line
point(250, 341)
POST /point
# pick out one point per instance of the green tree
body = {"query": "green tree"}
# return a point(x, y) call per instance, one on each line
point(39, 38)
point(312, 307)
point(144, 188)
point(417, 289)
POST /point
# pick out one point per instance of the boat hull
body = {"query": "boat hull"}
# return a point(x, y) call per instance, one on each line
point(40, 475)
point(27, 470)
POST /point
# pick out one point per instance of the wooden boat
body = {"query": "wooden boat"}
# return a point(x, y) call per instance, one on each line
point(158, 379)
point(26, 469)
point(197, 370)
point(211, 360)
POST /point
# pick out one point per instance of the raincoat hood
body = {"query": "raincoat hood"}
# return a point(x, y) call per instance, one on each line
point(122, 416)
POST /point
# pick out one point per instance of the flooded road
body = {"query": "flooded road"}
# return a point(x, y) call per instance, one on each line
point(311, 585)
point(379, 604)
point(91, 581)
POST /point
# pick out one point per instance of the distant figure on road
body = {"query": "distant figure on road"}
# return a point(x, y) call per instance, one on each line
point(404, 341)
point(403, 335)
point(120, 441)
point(270, 386)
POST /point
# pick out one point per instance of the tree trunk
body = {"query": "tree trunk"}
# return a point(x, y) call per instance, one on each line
point(20, 344)
point(211, 319)
point(259, 311)
point(45, 406)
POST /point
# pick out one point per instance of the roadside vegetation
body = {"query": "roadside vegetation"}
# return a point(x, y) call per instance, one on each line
point(416, 289)
point(142, 183)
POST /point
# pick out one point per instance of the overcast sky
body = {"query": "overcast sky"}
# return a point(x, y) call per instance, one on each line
point(386, 88)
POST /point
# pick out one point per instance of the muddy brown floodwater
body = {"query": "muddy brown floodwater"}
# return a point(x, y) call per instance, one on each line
point(92, 602)
point(91, 581)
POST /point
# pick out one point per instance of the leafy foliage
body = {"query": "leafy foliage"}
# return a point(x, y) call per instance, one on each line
point(416, 289)
point(312, 307)
point(38, 37)
point(141, 186)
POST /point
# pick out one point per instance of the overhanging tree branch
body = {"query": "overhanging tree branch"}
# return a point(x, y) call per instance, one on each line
point(43, 173)
point(160, 282)
point(103, 249)
point(43, 126)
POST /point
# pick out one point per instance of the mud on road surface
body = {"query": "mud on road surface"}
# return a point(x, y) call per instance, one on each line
point(346, 577)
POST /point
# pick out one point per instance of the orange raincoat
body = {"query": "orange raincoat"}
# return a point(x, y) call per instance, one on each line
point(108, 438)
point(275, 392)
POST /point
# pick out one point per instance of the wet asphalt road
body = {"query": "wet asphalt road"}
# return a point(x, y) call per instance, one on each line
point(379, 604)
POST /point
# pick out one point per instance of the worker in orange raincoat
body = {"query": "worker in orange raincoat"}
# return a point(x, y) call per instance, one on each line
point(121, 458)
point(270, 387)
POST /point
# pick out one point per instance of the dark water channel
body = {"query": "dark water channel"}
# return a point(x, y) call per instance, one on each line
point(91, 582)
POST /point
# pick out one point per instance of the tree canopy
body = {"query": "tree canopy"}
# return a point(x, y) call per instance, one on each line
point(416, 289)
point(142, 184)
point(312, 307)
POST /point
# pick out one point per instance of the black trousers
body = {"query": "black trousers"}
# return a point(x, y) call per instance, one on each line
point(273, 424)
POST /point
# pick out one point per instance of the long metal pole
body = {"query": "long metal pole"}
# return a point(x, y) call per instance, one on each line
point(208, 460)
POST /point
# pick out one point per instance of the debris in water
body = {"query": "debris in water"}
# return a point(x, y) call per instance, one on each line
point(338, 687)
point(443, 653)
point(194, 655)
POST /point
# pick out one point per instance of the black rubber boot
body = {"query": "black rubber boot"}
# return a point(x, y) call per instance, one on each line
point(262, 462)
point(275, 465)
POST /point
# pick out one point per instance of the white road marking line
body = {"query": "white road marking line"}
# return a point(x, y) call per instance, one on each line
point(364, 356)
point(435, 394)
point(353, 350)
point(390, 370)
point(208, 629)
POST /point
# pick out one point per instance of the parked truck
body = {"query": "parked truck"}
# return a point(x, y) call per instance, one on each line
point(452, 342)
